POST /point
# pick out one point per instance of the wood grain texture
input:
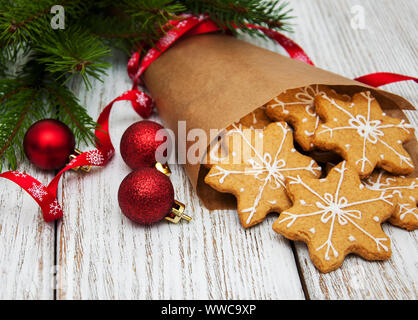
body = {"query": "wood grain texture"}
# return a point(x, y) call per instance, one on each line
point(26, 243)
point(102, 255)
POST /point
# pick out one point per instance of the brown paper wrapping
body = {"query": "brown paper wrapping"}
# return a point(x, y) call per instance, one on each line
point(211, 81)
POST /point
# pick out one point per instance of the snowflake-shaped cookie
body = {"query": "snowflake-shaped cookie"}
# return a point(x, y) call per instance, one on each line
point(297, 107)
point(257, 177)
point(218, 151)
point(336, 216)
point(363, 134)
point(406, 192)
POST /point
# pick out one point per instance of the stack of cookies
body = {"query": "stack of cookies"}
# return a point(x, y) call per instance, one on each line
point(268, 161)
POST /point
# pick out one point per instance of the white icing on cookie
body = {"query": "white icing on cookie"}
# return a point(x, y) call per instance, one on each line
point(264, 167)
point(336, 208)
point(370, 130)
point(387, 185)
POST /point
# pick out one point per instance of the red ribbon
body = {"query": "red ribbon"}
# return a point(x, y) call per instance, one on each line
point(381, 78)
point(46, 197)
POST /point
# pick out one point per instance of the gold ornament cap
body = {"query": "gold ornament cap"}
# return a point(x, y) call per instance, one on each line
point(82, 168)
point(177, 213)
point(163, 168)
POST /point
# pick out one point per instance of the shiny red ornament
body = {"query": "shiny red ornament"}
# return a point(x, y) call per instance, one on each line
point(48, 144)
point(146, 196)
point(138, 145)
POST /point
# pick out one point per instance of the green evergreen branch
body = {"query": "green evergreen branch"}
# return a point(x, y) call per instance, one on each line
point(227, 13)
point(17, 116)
point(2, 65)
point(116, 32)
point(151, 13)
point(6, 144)
point(67, 108)
point(73, 52)
point(151, 16)
point(22, 22)
point(36, 61)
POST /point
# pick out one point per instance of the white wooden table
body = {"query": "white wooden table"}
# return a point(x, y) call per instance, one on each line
point(95, 252)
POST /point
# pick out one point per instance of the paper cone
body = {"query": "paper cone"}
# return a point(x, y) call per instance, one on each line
point(211, 81)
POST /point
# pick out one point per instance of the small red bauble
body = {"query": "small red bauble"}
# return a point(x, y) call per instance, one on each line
point(139, 145)
point(48, 144)
point(146, 196)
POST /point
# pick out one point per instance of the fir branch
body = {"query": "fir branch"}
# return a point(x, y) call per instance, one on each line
point(67, 109)
point(9, 95)
point(230, 13)
point(152, 13)
point(23, 22)
point(3, 66)
point(73, 52)
point(151, 16)
point(6, 144)
point(19, 106)
point(116, 32)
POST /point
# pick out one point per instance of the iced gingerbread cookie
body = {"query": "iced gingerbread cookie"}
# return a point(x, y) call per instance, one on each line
point(257, 177)
point(217, 152)
point(361, 133)
point(296, 106)
point(336, 216)
point(406, 192)
point(256, 119)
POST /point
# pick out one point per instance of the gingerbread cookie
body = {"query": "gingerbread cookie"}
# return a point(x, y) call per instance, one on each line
point(406, 192)
point(256, 119)
point(257, 178)
point(361, 133)
point(296, 106)
point(218, 151)
point(336, 216)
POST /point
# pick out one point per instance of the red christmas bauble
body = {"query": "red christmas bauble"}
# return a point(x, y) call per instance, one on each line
point(48, 144)
point(139, 145)
point(146, 196)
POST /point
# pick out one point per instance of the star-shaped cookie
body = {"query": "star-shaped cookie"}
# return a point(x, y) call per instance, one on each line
point(257, 170)
point(336, 216)
point(361, 133)
point(296, 106)
point(405, 190)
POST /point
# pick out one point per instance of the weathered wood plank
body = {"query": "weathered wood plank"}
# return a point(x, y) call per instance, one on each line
point(26, 243)
point(103, 255)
